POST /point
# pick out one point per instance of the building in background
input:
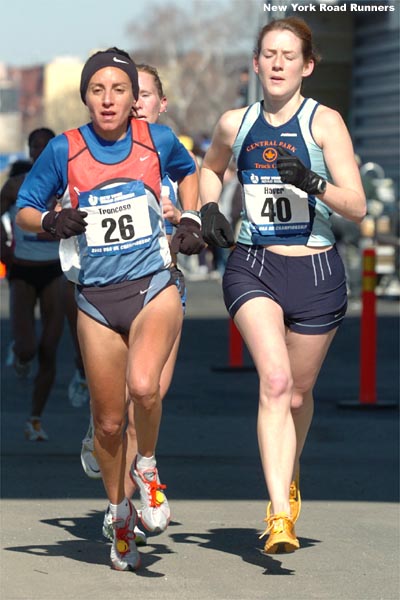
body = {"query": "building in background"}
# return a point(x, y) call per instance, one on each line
point(375, 103)
point(10, 118)
point(37, 96)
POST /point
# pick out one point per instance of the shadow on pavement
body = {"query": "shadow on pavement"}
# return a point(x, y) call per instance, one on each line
point(88, 547)
point(242, 539)
point(208, 436)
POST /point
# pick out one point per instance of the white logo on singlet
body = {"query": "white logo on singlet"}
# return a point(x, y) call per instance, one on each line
point(93, 200)
point(146, 290)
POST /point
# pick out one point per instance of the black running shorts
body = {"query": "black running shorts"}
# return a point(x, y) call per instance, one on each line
point(37, 275)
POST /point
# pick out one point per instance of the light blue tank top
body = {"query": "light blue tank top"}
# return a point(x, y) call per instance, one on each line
point(30, 246)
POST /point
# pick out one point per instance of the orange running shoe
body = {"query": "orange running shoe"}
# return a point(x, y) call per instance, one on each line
point(282, 537)
point(294, 500)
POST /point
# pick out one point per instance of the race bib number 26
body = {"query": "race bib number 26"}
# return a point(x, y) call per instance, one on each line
point(118, 219)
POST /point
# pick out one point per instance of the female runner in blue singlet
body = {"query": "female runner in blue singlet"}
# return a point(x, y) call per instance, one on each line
point(150, 104)
point(108, 174)
point(284, 283)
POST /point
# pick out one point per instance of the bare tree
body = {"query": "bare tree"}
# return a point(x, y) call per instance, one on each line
point(65, 111)
point(199, 51)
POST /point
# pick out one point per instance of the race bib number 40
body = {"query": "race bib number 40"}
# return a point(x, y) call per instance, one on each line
point(118, 219)
point(277, 209)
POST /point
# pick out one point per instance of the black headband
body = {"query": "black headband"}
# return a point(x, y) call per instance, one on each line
point(108, 58)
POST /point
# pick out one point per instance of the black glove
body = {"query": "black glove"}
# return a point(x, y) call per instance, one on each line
point(64, 223)
point(291, 170)
point(215, 228)
point(188, 238)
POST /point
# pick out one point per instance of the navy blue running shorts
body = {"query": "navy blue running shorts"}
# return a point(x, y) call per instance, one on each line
point(179, 280)
point(117, 305)
point(311, 290)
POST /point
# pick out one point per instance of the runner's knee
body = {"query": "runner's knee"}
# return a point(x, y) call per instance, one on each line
point(107, 427)
point(274, 385)
point(144, 394)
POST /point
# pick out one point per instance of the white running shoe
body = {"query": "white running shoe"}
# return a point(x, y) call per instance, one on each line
point(34, 432)
point(78, 392)
point(88, 459)
point(124, 554)
point(108, 530)
point(155, 513)
point(23, 370)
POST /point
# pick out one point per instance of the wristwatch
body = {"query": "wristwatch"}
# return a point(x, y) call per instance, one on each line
point(321, 186)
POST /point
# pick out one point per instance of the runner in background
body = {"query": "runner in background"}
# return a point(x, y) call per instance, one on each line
point(35, 278)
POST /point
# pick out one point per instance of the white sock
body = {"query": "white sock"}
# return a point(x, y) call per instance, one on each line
point(121, 510)
point(144, 462)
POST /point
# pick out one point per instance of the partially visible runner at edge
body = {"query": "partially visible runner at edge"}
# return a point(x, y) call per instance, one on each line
point(35, 278)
